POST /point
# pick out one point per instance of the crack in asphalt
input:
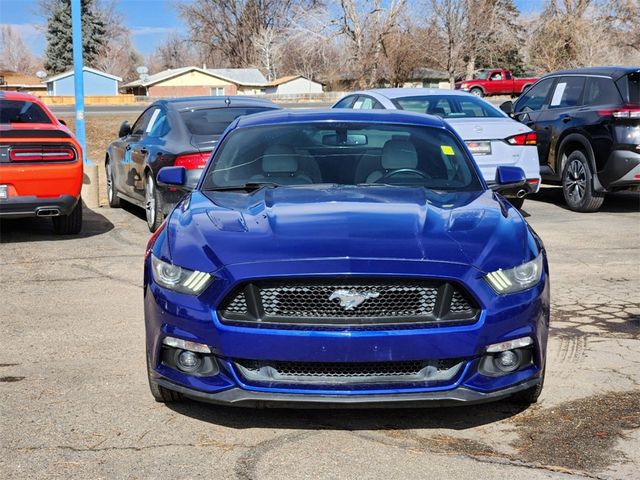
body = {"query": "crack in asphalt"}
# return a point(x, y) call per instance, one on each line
point(245, 467)
point(222, 445)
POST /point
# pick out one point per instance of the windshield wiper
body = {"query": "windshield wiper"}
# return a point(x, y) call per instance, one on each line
point(246, 187)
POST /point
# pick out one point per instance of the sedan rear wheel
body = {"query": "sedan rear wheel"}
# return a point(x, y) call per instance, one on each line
point(153, 209)
point(112, 196)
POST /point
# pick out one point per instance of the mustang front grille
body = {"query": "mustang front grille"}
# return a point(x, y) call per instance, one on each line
point(347, 303)
point(320, 373)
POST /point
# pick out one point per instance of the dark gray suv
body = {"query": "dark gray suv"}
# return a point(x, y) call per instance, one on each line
point(588, 126)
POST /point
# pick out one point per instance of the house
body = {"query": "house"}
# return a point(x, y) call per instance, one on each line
point(293, 85)
point(20, 82)
point(190, 81)
point(427, 78)
point(96, 83)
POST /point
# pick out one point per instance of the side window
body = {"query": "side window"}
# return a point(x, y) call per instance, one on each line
point(533, 99)
point(158, 125)
point(142, 121)
point(507, 75)
point(346, 102)
point(367, 103)
point(567, 93)
point(601, 91)
point(496, 76)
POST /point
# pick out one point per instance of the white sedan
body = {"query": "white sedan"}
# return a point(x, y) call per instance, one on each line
point(493, 138)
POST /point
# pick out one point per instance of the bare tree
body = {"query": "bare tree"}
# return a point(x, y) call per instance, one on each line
point(365, 24)
point(449, 19)
point(227, 29)
point(14, 55)
point(174, 52)
point(267, 51)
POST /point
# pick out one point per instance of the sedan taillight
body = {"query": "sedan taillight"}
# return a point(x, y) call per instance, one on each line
point(523, 139)
point(38, 154)
point(191, 161)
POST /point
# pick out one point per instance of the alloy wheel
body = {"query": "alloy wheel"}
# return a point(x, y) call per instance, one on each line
point(576, 180)
point(150, 201)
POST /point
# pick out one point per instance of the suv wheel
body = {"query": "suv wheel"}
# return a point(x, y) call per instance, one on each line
point(477, 92)
point(112, 196)
point(577, 184)
point(69, 224)
point(152, 206)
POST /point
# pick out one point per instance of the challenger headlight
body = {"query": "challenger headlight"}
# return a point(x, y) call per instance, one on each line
point(178, 278)
point(517, 278)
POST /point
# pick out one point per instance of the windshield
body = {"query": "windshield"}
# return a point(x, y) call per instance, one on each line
point(19, 111)
point(481, 74)
point(214, 121)
point(449, 106)
point(343, 154)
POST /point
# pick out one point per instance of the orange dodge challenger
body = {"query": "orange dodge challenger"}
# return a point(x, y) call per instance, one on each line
point(40, 164)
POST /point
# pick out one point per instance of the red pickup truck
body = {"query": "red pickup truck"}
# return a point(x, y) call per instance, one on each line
point(495, 82)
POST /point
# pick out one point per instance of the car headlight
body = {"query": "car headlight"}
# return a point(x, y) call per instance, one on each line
point(179, 279)
point(464, 85)
point(517, 278)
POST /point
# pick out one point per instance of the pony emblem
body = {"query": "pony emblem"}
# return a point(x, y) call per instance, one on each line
point(352, 299)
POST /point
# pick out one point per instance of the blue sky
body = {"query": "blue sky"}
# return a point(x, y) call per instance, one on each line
point(149, 20)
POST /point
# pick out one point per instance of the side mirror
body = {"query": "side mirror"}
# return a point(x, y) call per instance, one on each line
point(62, 122)
point(509, 180)
point(507, 107)
point(125, 130)
point(173, 177)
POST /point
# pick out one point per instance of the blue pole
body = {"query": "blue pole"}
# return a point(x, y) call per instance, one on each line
point(76, 29)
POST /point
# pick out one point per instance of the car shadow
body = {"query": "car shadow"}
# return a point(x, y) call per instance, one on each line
point(457, 418)
point(41, 229)
point(618, 202)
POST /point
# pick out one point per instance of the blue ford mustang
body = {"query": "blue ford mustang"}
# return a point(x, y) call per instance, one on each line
point(345, 257)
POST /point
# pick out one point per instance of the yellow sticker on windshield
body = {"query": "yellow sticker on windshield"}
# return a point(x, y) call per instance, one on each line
point(447, 150)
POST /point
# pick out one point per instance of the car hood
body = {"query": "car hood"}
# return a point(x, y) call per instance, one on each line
point(209, 230)
point(486, 128)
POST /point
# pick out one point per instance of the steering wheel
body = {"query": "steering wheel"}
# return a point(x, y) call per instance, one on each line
point(400, 171)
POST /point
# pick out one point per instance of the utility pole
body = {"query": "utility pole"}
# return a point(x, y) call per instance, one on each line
point(90, 183)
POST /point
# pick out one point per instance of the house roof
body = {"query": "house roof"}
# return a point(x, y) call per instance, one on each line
point(85, 69)
point(239, 76)
point(19, 80)
point(290, 78)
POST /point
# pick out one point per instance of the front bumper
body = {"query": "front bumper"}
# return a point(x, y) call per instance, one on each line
point(246, 398)
point(30, 206)
point(502, 318)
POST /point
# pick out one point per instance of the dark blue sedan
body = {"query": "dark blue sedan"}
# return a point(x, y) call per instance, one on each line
point(345, 257)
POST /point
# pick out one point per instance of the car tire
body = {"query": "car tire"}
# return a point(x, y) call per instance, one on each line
point(477, 92)
point(516, 202)
point(577, 184)
point(160, 393)
point(530, 395)
point(70, 224)
point(112, 194)
point(152, 206)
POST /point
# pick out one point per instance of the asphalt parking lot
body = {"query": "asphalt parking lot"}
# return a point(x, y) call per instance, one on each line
point(75, 401)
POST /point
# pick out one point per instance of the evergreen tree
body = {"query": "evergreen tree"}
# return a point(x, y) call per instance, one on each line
point(59, 51)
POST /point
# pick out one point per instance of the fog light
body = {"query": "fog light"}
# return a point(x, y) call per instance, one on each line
point(189, 361)
point(507, 361)
point(4, 192)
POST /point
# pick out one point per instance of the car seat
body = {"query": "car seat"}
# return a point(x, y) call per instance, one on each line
point(280, 165)
point(396, 155)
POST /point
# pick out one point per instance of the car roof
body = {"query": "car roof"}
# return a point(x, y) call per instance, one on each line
point(185, 103)
point(277, 117)
point(614, 72)
point(392, 93)
point(27, 97)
